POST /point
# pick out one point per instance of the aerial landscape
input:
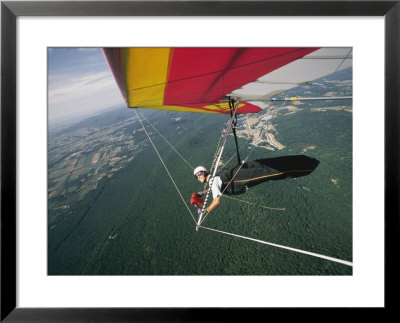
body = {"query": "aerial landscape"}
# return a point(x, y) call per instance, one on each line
point(113, 210)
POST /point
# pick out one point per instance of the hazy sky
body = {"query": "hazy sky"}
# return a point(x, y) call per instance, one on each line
point(79, 83)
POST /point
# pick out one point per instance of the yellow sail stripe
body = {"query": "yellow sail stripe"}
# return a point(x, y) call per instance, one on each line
point(146, 75)
point(180, 108)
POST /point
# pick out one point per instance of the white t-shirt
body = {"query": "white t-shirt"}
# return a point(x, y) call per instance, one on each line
point(216, 187)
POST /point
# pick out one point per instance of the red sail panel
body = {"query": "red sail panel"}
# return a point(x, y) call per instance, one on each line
point(206, 75)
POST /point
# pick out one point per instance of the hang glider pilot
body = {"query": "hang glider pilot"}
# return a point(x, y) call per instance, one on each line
point(203, 176)
point(237, 179)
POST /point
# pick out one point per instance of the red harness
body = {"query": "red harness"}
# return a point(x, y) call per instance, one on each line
point(196, 200)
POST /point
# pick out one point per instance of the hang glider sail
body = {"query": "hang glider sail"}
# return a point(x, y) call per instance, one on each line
point(200, 79)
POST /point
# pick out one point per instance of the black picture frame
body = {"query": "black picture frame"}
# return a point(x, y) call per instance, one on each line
point(10, 10)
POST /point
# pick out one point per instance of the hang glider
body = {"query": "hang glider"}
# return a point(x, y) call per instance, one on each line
point(221, 80)
point(201, 79)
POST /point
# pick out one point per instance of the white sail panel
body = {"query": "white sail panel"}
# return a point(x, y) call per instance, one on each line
point(320, 63)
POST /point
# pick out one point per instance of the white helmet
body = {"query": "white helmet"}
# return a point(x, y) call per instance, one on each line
point(199, 169)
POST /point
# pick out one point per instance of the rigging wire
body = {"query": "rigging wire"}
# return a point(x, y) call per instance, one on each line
point(344, 262)
point(226, 163)
point(167, 142)
point(169, 174)
point(212, 166)
point(265, 207)
point(250, 98)
point(218, 149)
point(344, 59)
point(231, 106)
